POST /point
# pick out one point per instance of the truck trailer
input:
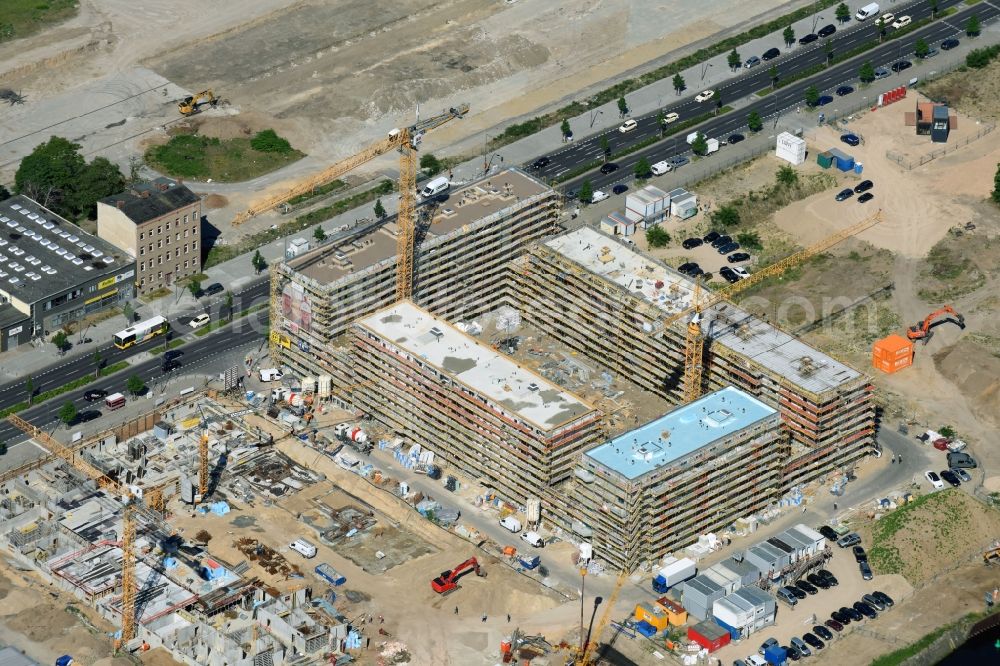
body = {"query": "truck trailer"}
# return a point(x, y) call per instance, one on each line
point(673, 572)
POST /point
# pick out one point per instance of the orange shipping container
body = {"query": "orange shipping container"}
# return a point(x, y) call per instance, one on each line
point(892, 353)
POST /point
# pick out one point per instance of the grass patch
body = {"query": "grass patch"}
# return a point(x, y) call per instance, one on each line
point(173, 344)
point(332, 186)
point(21, 18)
point(75, 384)
point(222, 253)
point(189, 155)
point(972, 2)
point(156, 294)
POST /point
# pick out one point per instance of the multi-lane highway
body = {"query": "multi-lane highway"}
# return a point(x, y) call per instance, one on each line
point(749, 83)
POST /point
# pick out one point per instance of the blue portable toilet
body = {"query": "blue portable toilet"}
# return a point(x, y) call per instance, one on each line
point(646, 629)
point(858, 168)
point(64, 660)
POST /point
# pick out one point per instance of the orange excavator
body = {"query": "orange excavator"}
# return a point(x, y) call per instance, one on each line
point(448, 580)
point(924, 330)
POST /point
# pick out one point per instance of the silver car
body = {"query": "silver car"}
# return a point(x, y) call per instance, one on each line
point(882, 73)
point(961, 473)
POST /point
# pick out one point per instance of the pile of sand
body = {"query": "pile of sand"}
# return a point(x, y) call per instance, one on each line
point(976, 373)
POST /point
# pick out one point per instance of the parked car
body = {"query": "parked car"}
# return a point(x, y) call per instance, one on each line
point(797, 591)
point(824, 100)
point(866, 571)
point(874, 602)
point(704, 96)
point(678, 161)
point(719, 241)
point(962, 460)
point(741, 272)
point(845, 194)
point(599, 195)
point(850, 139)
point(822, 632)
point(752, 61)
point(808, 39)
point(848, 540)
point(711, 236)
point(620, 188)
point(734, 138)
point(806, 587)
point(670, 118)
point(866, 197)
point(852, 613)
point(792, 652)
point(628, 126)
point(769, 643)
point(931, 52)
point(213, 289)
point(859, 554)
point(736, 257)
point(541, 163)
point(865, 610)
point(828, 532)
point(934, 479)
point(950, 478)
point(818, 581)
point(770, 54)
point(686, 268)
point(901, 65)
point(840, 617)
point(882, 73)
point(844, 90)
point(88, 415)
point(800, 644)
point(833, 624)
point(93, 395)
point(830, 578)
point(887, 19)
point(863, 186)
point(609, 167)
point(961, 474)
point(901, 22)
point(884, 598)
point(728, 248)
point(201, 320)
point(696, 271)
point(691, 243)
point(728, 275)
point(827, 30)
point(949, 44)
point(813, 641)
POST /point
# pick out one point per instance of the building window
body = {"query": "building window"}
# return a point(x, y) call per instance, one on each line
point(142, 266)
point(168, 239)
point(159, 261)
point(159, 244)
point(194, 245)
point(177, 268)
point(159, 275)
point(159, 229)
point(185, 233)
point(140, 235)
point(194, 230)
point(185, 264)
point(142, 251)
point(185, 218)
point(185, 248)
point(177, 237)
point(168, 226)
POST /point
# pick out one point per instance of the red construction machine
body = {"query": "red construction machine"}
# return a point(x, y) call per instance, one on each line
point(924, 330)
point(448, 580)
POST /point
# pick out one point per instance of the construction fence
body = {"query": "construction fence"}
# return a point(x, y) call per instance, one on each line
point(909, 163)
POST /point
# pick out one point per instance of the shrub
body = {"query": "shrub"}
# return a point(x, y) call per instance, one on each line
point(268, 141)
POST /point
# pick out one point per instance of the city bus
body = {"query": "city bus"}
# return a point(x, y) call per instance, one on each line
point(141, 332)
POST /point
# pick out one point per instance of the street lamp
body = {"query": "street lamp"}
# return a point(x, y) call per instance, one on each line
point(590, 627)
point(583, 581)
point(593, 116)
point(816, 19)
point(704, 69)
point(486, 140)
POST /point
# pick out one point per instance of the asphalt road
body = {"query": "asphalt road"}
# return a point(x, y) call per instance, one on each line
point(756, 79)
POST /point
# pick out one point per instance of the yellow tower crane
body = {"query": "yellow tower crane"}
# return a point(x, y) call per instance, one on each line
point(587, 656)
point(694, 343)
point(203, 466)
point(132, 507)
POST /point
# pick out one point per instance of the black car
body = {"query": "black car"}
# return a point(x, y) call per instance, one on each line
point(859, 554)
point(792, 652)
point(711, 236)
point(806, 587)
point(824, 100)
point(686, 268)
point(696, 271)
point(961, 460)
point(541, 163)
point(678, 162)
point(737, 257)
point(949, 44)
point(833, 624)
point(901, 65)
point(691, 243)
point(620, 188)
point(823, 632)
point(721, 240)
point(866, 197)
point(728, 248)
point(950, 477)
point(842, 195)
point(771, 54)
point(852, 613)
point(884, 598)
point(797, 591)
point(866, 570)
point(213, 289)
point(844, 90)
point(827, 30)
point(88, 415)
point(735, 138)
point(840, 617)
point(609, 167)
point(830, 578)
point(865, 610)
point(828, 532)
point(873, 601)
point(170, 364)
point(812, 641)
point(863, 186)
point(93, 395)
point(728, 275)
point(850, 139)
point(818, 581)
point(808, 39)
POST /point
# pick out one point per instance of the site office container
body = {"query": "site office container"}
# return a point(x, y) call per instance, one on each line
point(892, 353)
point(709, 635)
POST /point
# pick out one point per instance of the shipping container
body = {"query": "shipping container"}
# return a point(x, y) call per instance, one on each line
point(825, 160)
point(653, 614)
point(684, 207)
point(672, 572)
point(698, 595)
point(709, 635)
point(676, 614)
point(892, 353)
point(790, 148)
point(330, 574)
point(647, 205)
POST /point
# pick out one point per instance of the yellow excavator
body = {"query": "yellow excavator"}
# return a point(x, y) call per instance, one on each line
point(191, 105)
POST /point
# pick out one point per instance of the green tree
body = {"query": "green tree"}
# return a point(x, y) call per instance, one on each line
point(754, 122)
point(564, 128)
point(972, 26)
point(948, 431)
point(843, 13)
point(642, 169)
point(29, 386)
point(679, 84)
point(733, 59)
point(880, 28)
point(67, 413)
point(921, 48)
point(749, 240)
point(996, 186)
point(828, 49)
point(622, 106)
point(98, 363)
point(229, 306)
point(586, 193)
point(789, 36)
point(379, 209)
point(135, 385)
point(867, 72)
point(726, 216)
point(194, 286)
point(656, 236)
point(4, 193)
point(61, 341)
point(319, 234)
point(430, 165)
point(787, 176)
point(812, 95)
point(605, 147)
point(258, 262)
point(99, 179)
point(934, 8)
point(700, 144)
point(268, 141)
point(773, 73)
point(129, 313)
point(48, 175)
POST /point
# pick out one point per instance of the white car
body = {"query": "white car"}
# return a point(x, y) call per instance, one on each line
point(901, 22)
point(741, 272)
point(599, 195)
point(199, 321)
point(704, 96)
point(628, 126)
point(887, 18)
point(934, 479)
point(670, 118)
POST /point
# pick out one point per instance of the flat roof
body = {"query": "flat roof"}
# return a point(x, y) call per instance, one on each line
point(354, 250)
point(680, 432)
point(803, 365)
point(489, 373)
point(143, 202)
point(45, 255)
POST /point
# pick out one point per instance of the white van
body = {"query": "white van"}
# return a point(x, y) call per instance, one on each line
point(692, 137)
point(303, 548)
point(270, 374)
point(534, 538)
point(199, 321)
point(867, 12)
point(661, 168)
point(511, 523)
point(436, 186)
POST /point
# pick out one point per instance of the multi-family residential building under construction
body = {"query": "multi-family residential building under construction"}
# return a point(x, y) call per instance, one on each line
point(498, 245)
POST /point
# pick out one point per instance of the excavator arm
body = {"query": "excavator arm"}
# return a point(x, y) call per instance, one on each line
point(924, 330)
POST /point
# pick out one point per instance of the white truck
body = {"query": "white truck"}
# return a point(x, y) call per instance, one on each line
point(673, 572)
point(533, 538)
point(511, 523)
point(713, 146)
point(661, 168)
point(270, 374)
point(867, 12)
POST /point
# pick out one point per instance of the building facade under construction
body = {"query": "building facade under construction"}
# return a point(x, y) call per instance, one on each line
point(501, 424)
point(464, 248)
point(610, 303)
point(654, 489)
